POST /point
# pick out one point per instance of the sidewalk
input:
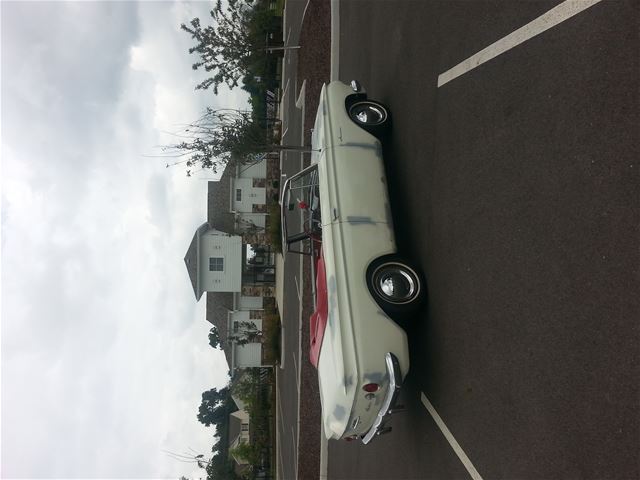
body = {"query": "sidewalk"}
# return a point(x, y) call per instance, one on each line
point(313, 69)
point(280, 299)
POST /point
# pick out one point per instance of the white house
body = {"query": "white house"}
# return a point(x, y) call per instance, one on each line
point(248, 195)
point(214, 261)
point(231, 264)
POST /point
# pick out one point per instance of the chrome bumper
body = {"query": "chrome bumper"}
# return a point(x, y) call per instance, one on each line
point(379, 426)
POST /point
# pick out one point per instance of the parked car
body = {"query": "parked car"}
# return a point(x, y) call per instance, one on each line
point(338, 211)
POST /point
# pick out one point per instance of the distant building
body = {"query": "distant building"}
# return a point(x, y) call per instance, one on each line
point(230, 259)
point(239, 433)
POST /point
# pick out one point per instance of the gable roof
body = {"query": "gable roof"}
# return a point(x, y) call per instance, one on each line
point(218, 306)
point(235, 426)
point(219, 215)
point(191, 259)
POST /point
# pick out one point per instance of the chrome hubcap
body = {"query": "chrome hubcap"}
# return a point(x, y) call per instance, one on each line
point(369, 114)
point(395, 284)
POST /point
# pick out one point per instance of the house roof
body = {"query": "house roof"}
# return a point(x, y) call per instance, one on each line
point(235, 426)
point(218, 194)
point(239, 403)
point(218, 306)
point(191, 259)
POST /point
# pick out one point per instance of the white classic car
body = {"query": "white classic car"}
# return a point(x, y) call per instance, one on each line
point(337, 210)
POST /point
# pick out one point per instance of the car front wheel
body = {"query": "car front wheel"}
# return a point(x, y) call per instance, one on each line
point(372, 116)
point(396, 286)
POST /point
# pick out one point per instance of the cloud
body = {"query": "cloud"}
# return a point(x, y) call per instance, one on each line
point(104, 350)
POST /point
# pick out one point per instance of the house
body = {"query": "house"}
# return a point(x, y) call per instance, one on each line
point(239, 433)
point(214, 261)
point(230, 260)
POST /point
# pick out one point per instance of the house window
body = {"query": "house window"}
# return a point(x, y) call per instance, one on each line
point(245, 427)
point(216, 264)
point(238, 195)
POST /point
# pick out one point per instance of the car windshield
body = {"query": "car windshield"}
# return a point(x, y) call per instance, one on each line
point(301, 219)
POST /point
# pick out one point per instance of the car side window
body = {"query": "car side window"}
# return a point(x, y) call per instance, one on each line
point(301, 207)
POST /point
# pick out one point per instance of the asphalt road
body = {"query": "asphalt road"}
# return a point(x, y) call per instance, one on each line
point(515, 187)
point(291, 163)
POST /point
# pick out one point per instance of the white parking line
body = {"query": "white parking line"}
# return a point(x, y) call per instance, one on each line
point(304, 13)
point(279, 446)
point(295, 367)
point(295, 447)
point(298, 290)
point(324, 459)
point(553, 17)
point(335, 40)
point(452, 441)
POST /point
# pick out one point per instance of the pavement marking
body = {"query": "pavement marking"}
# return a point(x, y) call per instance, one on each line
point(452, 441)
point(335, 40)
point(553, 17)
point(324, 451)
point(300, 103)
point(303, 14)
point(298, 290)
point(295, 446)
point(279, 449)
point(295, 367)
point(277, 432)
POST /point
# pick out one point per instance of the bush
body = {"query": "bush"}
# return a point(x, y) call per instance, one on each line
point(271, 335)
point(274, 229)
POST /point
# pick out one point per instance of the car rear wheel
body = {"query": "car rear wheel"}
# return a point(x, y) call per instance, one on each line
point(372, 116)
point(396, 286)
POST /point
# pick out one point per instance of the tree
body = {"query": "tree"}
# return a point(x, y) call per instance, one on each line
point(246, 386)
point(229, 46)
point(247, 452)
point(214, 338)
point(222, 135)
point(220, 468)
point(247, 333)
point(214, 407)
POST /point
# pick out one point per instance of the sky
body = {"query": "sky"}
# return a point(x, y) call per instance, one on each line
point(104, 348)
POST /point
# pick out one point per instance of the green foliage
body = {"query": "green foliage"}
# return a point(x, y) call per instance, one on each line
point(247, 452)
point(246, 387)
point(214, 338)
point(274, 228)
point(220, 467)
point(220, 136)
point(247, 333)
point(271, 333)
point(234, 41)
point(215, 407)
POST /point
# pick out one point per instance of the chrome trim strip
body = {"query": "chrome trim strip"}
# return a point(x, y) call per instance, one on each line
point(390, 399)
